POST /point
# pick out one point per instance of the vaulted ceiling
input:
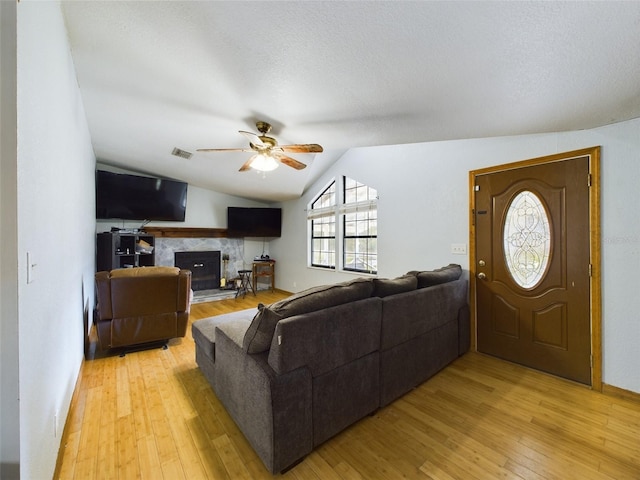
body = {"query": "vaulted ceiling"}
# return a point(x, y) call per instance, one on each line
point(155, 75)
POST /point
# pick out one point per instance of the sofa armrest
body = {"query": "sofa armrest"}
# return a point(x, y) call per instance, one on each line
point(273, 411)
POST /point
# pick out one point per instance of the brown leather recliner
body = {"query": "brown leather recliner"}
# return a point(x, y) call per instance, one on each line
point(141, 305)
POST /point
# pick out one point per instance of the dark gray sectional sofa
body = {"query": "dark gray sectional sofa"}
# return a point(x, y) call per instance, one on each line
point(301, 370)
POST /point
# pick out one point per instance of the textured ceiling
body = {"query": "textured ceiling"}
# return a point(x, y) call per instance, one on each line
point(155, 75)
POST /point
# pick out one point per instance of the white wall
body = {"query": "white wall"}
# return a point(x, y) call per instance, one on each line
point(620, 250)
point(423, 209)
point(56, 225)
point(9, 386)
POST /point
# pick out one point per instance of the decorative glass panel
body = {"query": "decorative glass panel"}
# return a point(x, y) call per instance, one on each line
point(527, 239)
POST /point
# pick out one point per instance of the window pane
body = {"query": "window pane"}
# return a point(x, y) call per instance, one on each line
point(323, 230)
point(349, 228)
point(350, 196)
point(326, 198)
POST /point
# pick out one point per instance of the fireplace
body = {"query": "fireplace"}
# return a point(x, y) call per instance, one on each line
point(204, 266)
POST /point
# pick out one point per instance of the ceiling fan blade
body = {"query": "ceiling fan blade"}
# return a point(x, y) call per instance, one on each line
point(224, 150)
point(302, 148)
point(291, 162)
point(247, 165)
point(253, 138)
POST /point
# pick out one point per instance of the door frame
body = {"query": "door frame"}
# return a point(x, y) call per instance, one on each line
point(595, 284)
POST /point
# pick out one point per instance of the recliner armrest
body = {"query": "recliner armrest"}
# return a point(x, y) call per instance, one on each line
point(184, 289)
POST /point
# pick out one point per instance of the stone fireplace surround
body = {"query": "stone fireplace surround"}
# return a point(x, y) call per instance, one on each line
point(165, 249)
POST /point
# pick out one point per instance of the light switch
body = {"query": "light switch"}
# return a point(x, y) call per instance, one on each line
point(459, 248)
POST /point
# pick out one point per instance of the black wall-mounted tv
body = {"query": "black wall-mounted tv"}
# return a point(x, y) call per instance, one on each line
point(254, 222)
point(132, 197)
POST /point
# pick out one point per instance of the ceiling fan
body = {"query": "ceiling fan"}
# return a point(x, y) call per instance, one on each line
point(267, 151)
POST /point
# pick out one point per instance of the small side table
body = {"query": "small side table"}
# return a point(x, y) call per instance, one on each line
point(265, 269)
point(245, 283)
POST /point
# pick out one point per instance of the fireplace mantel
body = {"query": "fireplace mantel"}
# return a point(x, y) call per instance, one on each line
point(188, 232)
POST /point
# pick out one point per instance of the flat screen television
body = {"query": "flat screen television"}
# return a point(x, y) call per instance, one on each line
point(254, 222)
point(133, 197)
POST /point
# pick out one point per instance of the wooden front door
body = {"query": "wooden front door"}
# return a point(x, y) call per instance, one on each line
point(532, 265)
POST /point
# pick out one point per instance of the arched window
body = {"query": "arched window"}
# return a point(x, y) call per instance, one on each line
point(358, 232)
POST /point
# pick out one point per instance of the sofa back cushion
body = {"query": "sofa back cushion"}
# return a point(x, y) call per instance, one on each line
point(133, 296)
point(435, 277)
point(408, 315)
point(327, 339)
point(258, 336)
point(383, 287)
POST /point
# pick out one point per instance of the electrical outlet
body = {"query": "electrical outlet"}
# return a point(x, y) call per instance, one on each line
point(459, 248)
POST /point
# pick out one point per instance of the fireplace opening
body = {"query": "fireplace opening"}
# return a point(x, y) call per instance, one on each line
point(204, 266)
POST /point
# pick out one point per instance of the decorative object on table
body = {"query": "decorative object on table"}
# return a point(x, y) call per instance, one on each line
point(225, 263)
point(143, 247)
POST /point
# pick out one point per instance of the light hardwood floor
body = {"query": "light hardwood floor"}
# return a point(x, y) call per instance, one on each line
point(152, 415)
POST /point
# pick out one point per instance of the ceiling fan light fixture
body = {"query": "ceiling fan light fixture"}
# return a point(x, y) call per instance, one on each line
point(268, 154)
point(264, 163)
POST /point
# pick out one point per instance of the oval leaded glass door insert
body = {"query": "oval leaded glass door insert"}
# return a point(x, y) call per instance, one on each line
point(527, 239)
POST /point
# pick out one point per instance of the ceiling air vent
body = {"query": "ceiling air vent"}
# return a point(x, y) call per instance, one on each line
point(178, 152)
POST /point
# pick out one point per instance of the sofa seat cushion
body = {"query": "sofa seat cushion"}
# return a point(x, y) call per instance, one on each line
point(204, 331)
point(383, 287)
point(435, 277)
point(259, 334)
